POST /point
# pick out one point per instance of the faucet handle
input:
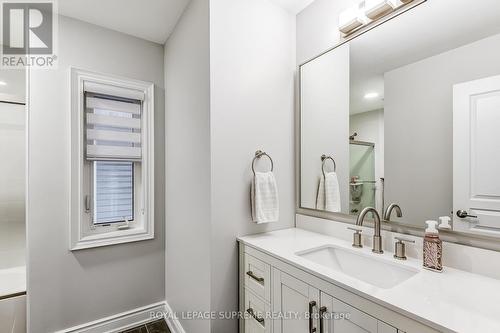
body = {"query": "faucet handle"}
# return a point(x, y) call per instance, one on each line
point(400, 239)
point(356, 239)
point(400, 247)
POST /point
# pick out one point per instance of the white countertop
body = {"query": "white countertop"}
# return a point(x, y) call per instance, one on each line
point(453, 300)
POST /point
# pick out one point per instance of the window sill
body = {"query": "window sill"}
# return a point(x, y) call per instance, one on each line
point(112, 238)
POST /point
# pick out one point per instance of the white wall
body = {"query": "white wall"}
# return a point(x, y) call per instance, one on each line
point(221, 107)
point(69, 288)
point(317, 27)
point(188, 222)
point(252, 59)
point(418, 115)
point(12, 184)
point(325, 123)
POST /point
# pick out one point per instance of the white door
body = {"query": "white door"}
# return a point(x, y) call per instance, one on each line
point(294, 300)
point(476, 156)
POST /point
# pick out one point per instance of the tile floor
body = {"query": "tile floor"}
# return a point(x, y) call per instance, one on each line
point(159, 326)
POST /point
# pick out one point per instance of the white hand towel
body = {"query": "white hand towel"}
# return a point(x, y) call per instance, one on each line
point(328, 197)
point(264, 196)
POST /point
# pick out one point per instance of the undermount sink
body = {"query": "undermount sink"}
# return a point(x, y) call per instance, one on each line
point(366, 267)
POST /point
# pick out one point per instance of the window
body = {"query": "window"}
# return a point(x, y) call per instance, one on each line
point(112, 160)
point(113, 192)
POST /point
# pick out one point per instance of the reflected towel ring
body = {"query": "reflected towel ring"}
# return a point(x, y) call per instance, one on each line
point(259, 154)
point(324, 158)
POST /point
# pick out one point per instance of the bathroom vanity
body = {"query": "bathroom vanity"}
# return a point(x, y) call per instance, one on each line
point(398, 118)
point(288, 274)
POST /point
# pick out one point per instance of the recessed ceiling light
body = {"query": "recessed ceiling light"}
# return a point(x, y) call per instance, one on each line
point(371, 95)
point(3, 83)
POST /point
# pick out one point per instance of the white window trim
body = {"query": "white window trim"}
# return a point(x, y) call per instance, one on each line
point(78, 239)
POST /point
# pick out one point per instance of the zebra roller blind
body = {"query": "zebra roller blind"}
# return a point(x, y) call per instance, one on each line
point(113, 128)
point(113, 143)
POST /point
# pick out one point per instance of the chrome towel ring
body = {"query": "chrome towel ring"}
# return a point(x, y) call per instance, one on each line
point(258, 155)
point(324, 158)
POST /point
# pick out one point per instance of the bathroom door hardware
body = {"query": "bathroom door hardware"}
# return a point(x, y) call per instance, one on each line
point(312, 329)
point(260, 320)
point(464, 214)
point(255, 277)
point(322, 311)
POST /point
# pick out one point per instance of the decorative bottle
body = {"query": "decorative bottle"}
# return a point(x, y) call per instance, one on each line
point(433, 248)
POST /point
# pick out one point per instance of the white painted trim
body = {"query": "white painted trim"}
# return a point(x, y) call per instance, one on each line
point(120, 321)
point(173, 322)
point(126, 320)
point(78, 238)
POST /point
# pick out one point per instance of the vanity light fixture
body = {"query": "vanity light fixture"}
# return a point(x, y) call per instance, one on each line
point(351, 19)
point(369, 13)
point(371, 95)
point(377, 8)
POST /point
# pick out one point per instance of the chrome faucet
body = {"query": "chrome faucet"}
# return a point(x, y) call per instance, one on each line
point(388, 211)
point(377, 239)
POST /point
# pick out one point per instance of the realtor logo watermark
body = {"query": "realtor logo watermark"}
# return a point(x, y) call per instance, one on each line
point(28, 34)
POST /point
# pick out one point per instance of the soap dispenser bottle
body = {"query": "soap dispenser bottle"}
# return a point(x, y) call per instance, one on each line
point(433, 248)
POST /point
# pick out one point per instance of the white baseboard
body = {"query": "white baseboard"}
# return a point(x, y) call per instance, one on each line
point(173, 323)
point(128, 319)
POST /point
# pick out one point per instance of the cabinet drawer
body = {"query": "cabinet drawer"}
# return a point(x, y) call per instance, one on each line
point(258, 277)
point(257, 314)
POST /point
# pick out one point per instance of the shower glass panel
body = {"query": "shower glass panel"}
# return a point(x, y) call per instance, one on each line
point(12, 181)
point(362, 185)
point(12, 197)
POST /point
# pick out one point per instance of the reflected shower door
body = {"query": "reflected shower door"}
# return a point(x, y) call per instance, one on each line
point(362, 184)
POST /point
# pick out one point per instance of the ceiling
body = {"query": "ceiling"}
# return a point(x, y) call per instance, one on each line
point(429, 29)
point(293, 6)
point(152, 20)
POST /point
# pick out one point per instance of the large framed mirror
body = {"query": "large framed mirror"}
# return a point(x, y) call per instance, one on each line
point(407, 113)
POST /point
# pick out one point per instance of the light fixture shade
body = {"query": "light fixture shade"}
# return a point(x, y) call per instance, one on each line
point(377, 8)
point(350, 20)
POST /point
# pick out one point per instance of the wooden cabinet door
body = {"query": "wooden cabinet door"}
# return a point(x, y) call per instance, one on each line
point(292, 302)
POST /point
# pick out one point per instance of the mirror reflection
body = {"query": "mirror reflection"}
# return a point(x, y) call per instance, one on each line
point(408, 111)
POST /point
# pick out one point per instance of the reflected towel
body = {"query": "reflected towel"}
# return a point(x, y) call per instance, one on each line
point(264, 197)
point(328, 197)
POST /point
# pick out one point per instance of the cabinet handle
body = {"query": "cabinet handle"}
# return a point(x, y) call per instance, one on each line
point(260, 320)
point(255, 277)
point(312, 329)
point(322, 311)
